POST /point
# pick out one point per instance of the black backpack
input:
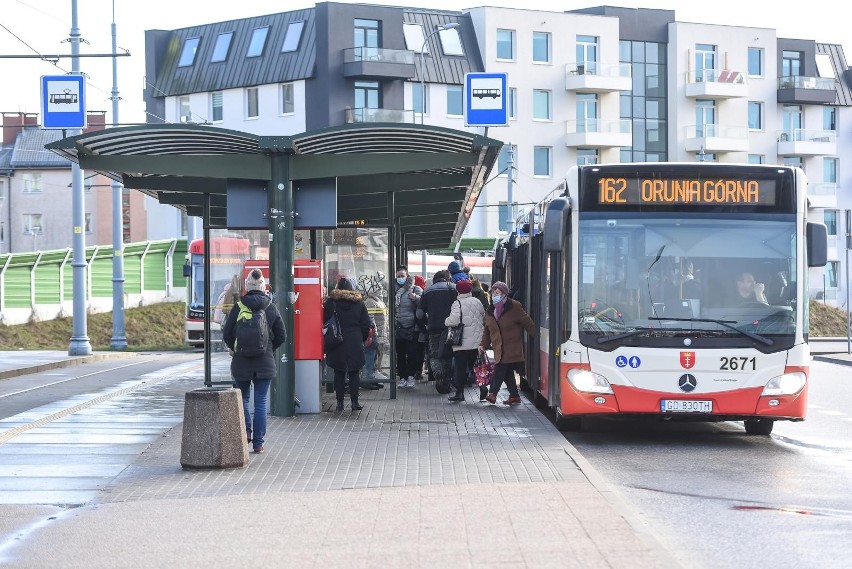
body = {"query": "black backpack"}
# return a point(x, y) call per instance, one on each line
point(251, 332)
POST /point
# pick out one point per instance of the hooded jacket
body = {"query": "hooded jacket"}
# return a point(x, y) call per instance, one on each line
point(245, 368)
point(470, 312)
point(505, 334)
point(355, 323)
point(405, 307)
point(435, 305)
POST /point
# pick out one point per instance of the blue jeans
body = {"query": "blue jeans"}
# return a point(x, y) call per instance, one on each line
point(256, 424)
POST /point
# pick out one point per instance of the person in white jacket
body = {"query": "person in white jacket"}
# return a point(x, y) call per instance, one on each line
point(468, 310)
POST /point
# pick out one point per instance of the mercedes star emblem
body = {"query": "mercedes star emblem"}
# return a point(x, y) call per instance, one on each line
point(687, 382)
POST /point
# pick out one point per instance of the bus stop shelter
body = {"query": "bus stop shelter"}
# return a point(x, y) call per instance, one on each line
point(423, 181)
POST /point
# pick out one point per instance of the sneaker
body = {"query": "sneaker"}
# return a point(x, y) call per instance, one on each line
point(379, 376)
point(402, 383)
point(410, 382)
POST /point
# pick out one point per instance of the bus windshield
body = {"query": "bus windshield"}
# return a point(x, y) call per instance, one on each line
point(658, 278)
point(221, 275)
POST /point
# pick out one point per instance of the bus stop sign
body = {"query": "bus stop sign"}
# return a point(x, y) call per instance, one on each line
point(486, 97)
point(63, 103)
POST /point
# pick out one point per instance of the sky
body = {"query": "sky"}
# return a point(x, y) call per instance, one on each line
point(30, 27)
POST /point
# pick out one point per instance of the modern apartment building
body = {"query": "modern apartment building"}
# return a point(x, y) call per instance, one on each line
point(600, 84)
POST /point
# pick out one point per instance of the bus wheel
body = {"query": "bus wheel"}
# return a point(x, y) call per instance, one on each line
point(759, 426)
point(564, 423)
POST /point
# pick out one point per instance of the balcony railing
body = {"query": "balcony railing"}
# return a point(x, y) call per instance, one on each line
point(802, 135)
point(379, 54)
point(822, 189)
point(365, 114)
point(596, 68)
point(798, 82)
point(716, 131)
point(716, 76)
point(622, 126)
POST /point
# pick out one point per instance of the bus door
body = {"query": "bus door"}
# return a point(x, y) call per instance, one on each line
point(536, 261)
point(555, 290)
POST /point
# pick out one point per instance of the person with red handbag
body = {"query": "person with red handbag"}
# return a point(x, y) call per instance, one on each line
point(505, 322)
point(466, 311)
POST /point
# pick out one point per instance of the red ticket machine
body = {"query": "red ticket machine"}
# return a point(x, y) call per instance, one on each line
point(307, 332)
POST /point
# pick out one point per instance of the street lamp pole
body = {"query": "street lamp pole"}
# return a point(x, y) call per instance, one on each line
point(440, 28)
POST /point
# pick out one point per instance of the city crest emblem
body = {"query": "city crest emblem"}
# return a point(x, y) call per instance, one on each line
point(687, 360)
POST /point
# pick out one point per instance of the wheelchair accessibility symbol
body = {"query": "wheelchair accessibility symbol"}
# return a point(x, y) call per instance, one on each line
point(623, 361)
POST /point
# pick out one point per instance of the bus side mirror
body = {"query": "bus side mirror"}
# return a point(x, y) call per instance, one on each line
point(187, 270)
point(556, 225)
point(816, 237)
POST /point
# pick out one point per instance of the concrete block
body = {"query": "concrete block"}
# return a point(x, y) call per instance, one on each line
point(214, 429)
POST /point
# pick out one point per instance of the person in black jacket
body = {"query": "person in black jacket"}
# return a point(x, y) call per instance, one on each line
point(435, 306)
point(347, 359)
point(259, 370)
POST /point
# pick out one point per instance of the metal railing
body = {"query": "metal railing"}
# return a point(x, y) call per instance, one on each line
point(621, 126)
point(365, 114)
point(803, 135)
point(597, 68)
point(716, 131)
point(716, 76)
point(378, 54)
point(799, 82)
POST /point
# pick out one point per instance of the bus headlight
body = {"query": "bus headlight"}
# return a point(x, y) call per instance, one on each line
point(787, 384)
point(584, 380)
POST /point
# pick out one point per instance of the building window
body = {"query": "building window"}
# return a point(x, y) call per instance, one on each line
point(513, 103)
point(503, 160)
point(541, 105)
point(829, 118)
point(705, 118)
point(184, 109)
point(288, 101)
point(258, 42)
point(223, 44)
point(645, 104)
point(217, 111)
point(824, 66)
point(506, 45)
point(756, 159)
point(503, 216)
point(829, 170)
point(367, 96)
point(252, 103)
point(292, 37)
point(587, 112)
point(32, 224)
point(541, 47)
point(587, 156)
point(2, 190)
point(421, 103)
point(831, 274)
point(829, 217)
point(755, 115)
point(187, 54)
point(541, 161)
point(88, 223)
point(755, 62)
point(455, 100)
point(451, 42)
point(2, 231)
point(32, 183)
point(367, 38)
point(791, 64)
point(586, 51)
point(414, 38)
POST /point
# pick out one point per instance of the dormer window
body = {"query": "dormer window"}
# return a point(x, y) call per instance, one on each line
point(223, 43)
point(451, 42)
point(292, 37)
point(187, 54)
point(258, 41)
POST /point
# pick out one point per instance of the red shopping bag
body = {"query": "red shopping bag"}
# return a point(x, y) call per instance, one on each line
point(482, 369)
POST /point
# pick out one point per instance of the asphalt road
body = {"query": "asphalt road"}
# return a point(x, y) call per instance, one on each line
point(718, 498)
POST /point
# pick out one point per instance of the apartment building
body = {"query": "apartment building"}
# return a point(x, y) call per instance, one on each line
point(599, 84)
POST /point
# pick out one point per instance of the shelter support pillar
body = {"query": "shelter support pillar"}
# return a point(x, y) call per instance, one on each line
point(281, 221)
point(393, 261)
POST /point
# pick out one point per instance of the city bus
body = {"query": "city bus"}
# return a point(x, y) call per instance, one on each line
point(674, 291)
point(228, 254)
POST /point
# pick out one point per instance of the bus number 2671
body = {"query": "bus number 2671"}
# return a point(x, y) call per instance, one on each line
point(738, 363)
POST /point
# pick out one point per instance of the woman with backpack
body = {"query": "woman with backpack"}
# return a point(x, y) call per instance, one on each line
point(347, 359)
point(253, 362)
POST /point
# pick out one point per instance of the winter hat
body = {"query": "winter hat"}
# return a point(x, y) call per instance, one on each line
point(419, 281)
point(500, 285)
point(454, 267)
point(255, 281)
point(463, 286)
point(345, 283)
point(460, 276)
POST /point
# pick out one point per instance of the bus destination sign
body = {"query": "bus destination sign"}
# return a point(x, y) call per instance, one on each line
point(684, 191)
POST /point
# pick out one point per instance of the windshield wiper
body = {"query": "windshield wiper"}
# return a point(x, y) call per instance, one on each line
point(726, 324)
point(616, 337)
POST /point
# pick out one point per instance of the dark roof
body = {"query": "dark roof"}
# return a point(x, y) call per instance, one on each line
point(435, 174)
point(841, 71)
point(238, 70)
point(29, 151)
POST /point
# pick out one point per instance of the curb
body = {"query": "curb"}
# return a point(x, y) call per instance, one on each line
point(623, 508)
point(831, 360)
point(71, 361)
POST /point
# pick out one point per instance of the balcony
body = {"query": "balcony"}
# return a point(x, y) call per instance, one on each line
point(365, 114)
point(594, 77)
point(716, 84)
point(596, 133)
point(376, 62)
point(822, 195)
point(801, 142)
point(806, 90)
point(714, 138)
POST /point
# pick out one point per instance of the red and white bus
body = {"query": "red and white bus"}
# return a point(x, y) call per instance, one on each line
point(227, 258)
point(641, 277)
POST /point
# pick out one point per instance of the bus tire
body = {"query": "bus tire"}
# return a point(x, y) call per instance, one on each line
point(571, 424)
point(759, 426)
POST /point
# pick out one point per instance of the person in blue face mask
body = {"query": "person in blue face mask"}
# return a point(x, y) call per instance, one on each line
point(406, 333)
point(505, 322)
